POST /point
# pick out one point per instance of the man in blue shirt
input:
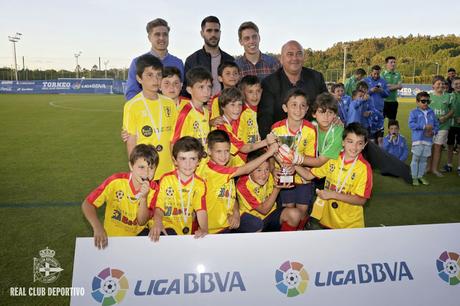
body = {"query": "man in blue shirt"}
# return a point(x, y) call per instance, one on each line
point(158, 34)
point(254, 62)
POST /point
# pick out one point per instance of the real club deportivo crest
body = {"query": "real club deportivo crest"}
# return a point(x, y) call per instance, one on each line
point(46, 268)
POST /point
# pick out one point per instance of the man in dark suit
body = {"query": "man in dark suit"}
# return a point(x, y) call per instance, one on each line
point(275, 86)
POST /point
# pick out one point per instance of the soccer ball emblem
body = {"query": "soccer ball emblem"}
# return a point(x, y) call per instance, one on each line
point(119, 194)
point(169, 192)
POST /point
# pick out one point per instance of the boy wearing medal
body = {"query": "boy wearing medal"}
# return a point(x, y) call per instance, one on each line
point(305, 142)
point(231, 106)
point(329, 134)
point(223, 210)
point(149, 117)
point(251, 88)
point(124, 194)
point(257, 193)
point(348, 182)
point(193, 116)
point(181, 195)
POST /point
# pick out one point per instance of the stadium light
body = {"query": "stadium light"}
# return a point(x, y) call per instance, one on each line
point(14, 39)
point(77, 55)
point(344, 75)
point(105, 68)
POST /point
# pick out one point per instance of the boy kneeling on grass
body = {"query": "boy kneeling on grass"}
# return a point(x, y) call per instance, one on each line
point(123, 194)
point(257, 193)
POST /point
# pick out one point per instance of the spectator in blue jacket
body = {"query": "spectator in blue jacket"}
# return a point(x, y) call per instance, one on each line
point(360, 107)
point(338, 90)
point(424, 125)
point(395, 143)
point(378, 91)
point(158, 35)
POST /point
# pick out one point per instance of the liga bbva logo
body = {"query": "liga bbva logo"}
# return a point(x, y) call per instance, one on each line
point(109, 287)
point(291, 278)
point(448, 266)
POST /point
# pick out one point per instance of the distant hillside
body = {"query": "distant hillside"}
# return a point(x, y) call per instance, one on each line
point(417, 56)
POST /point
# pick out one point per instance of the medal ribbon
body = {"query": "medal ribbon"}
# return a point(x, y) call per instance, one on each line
point(348, 173)
point(184, 213)
point(202, 138)
point(155, 129)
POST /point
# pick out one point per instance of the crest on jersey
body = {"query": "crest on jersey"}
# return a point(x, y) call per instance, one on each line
point(119, 194)
point(169, 191)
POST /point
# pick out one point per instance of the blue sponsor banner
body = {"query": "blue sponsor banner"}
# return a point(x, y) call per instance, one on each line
point(411, 90)
point(63, 86)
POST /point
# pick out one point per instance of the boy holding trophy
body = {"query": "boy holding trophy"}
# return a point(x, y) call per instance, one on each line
point(297, 139)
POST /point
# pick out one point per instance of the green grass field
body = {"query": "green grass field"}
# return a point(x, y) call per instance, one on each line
point(57, 148)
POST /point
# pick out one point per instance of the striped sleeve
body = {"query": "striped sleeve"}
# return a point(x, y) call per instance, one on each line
point(245, 193)
point(181, 118)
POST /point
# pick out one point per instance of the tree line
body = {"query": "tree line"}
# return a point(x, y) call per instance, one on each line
point(419, 58)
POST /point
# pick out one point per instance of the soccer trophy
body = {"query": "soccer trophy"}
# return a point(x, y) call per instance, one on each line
point(287, 148)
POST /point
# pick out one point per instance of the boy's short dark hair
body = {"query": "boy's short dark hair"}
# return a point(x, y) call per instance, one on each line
point(229, 95)
point(295, 92)
point(146, 152)
point(376, 67)
point(360, 71)
point(362, 84)
point(337, 85)
point(212, 19)
point(226, 64)
point(324, 102)
point(188, 144)
point(147, 60)
point(170, 71)
point(451, 70)
point(247, 25)
point(255, 154)
point(217, 136)
point(438, 78)
point(156, 23)
point(422, 94)
point(198, 74)
point(355, 128)
point(393, 122)
point(455, 78)
point(249, 80)
point(388, 58)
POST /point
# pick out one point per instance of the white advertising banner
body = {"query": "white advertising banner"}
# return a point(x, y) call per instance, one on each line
point(404, 265)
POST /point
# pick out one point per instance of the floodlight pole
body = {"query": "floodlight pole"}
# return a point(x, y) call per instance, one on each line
point(105, 68)
point(14, 39)
point(77, 68)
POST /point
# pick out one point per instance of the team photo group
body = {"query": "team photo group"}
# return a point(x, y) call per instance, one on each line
point(260, 143)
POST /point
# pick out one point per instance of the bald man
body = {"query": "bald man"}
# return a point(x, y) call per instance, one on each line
point(276, 85)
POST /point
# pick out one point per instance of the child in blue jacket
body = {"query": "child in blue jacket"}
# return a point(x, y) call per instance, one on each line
point(423, 125)
point(395, 143)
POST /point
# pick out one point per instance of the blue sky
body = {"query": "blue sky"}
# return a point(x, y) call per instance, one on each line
point(53, 31)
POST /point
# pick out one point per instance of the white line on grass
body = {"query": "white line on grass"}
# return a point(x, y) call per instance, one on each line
point(53, 104)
